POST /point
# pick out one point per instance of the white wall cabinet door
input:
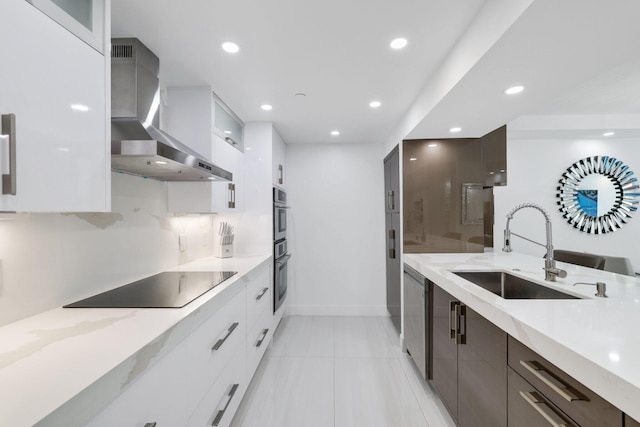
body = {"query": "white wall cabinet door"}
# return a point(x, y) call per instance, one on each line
point(56, 86)
point(190, 117)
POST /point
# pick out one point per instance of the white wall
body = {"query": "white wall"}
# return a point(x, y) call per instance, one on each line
point(336, 229)
point(534, 168)
point(48, 260)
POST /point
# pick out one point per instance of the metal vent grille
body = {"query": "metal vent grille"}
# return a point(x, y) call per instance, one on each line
point(122, 51)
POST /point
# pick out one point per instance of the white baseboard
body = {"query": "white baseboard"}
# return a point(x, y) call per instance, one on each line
point(337, 310)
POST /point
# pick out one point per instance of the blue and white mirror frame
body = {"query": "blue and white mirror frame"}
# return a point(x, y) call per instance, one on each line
point(579, 203)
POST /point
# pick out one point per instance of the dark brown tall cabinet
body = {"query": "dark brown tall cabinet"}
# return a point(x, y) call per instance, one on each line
point(392, 234)
point(469, 363)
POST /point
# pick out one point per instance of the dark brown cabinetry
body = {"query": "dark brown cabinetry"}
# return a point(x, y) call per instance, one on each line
point(630, 422)
point(551, 391)
point(469, 363)
point(529, 408)
point(392, 234)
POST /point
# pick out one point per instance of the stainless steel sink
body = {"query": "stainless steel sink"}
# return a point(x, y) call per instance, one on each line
point(508, 286)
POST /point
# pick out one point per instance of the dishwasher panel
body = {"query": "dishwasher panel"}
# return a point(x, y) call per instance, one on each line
point(417, 334)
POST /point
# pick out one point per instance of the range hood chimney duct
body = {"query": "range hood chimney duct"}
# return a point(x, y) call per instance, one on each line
point(138, 146)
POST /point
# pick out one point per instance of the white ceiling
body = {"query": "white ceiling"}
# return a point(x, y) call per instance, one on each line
point(338, 54)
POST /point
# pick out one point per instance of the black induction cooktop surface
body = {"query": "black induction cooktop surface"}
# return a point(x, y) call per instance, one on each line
point(172, 289)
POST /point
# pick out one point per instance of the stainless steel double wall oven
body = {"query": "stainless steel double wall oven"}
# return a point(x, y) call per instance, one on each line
point(280, 253)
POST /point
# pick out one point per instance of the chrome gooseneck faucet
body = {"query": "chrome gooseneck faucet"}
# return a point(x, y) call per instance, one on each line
point(551, 272)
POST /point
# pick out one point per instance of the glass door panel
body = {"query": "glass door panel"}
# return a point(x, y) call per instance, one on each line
point(83, 18)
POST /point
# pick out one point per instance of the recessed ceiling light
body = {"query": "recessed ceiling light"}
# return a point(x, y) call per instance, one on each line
point(212, 178)
point(335, 132)
point(455, 130)
point(375, 104)
point(433, 144)
point(413, 159)
point(608, 134)
point(398, 43)
point(266, 107)
point(228, 132)
point(514, 89)
point(160, 162)
point(230, 47)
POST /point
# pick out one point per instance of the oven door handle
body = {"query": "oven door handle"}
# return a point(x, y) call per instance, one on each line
point(283, 259)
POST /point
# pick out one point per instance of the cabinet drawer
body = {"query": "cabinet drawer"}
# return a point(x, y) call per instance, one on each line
point(259, 296)
point(212, 346)
point(223, 398)
point(577, 401)
point(529, 408)
point(258, 339)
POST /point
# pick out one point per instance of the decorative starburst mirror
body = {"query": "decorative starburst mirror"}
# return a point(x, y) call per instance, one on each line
point(598, 194)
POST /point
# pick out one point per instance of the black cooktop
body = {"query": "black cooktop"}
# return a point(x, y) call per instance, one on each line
point(172, 289)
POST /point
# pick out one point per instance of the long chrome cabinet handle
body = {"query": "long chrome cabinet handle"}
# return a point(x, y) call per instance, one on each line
point(453, 319)
point(461, 331)
point(261, 294)
point(222, 340)
point(391, 202)
point(232, 195)
point(262, 337)
point(537, 403)
point(392, 244)
point(556, 385)
point(9, 129)
point(228, 398)
point(280, 174)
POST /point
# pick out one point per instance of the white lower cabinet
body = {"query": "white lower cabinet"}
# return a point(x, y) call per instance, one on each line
point(223, 398)
point(259, 296)
point(213, 345)
point(258, 339)
point(203, 379)
point(157, 397)
point(259, 318)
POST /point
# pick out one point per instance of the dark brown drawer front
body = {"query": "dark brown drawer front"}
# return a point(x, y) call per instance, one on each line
point(529, 408)
point(630, 422)
point(577, 401)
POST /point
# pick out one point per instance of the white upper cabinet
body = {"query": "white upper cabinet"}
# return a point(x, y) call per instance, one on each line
point(195, 116)
point(227, 125)
point(279, 150)
point(56, 87)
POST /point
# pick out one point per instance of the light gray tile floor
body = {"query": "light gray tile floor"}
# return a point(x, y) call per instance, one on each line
point(338, 372)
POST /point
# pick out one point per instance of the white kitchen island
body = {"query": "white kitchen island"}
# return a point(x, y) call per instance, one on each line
point(592, 339)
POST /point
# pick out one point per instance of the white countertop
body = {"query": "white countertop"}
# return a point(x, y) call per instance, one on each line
point(595, 340)
point(59, 367)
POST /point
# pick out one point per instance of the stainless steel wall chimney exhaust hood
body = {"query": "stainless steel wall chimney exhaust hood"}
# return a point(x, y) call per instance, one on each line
point(138, 146)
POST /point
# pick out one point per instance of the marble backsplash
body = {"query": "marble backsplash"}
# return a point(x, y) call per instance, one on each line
point(48, 260)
